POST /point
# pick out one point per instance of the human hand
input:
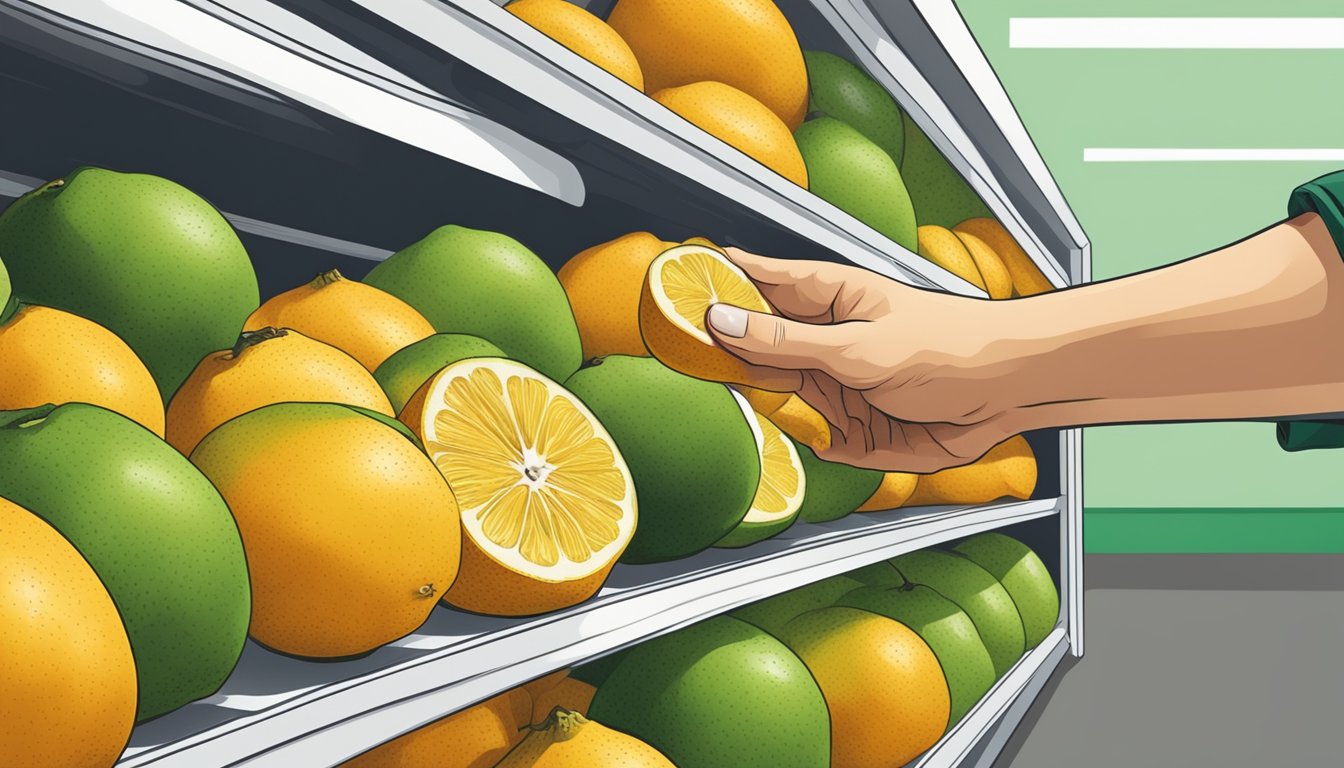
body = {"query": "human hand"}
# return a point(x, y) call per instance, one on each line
point(908, 379)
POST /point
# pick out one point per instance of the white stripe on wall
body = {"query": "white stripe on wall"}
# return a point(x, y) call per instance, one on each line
point(1137, 32)
point(1198, 154)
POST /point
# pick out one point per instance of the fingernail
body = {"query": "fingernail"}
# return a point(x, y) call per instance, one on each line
point(728, 320)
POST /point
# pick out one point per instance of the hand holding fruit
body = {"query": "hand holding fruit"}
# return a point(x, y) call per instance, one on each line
point(845, 341)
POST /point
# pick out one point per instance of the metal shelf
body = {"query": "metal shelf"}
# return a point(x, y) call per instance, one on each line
point(279, 711)
point(984, 730)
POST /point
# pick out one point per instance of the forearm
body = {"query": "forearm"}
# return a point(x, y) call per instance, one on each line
point(1254, 330)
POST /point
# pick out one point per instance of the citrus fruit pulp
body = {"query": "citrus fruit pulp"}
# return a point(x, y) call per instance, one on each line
point(547, 502)
point(780, 493)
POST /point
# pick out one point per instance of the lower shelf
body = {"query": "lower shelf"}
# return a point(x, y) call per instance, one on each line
point(1000, 711)
point(279, 711)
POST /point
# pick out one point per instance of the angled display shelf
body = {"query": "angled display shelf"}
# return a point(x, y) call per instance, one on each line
point(278, 711)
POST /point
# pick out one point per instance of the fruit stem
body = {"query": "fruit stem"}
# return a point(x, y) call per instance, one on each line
point(25, 417)
point(252, 338)
point(326, 278)
point(561, 725)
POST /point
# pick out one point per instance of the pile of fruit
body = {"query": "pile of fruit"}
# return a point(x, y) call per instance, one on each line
point(870, 668)
point(735, 69)
point(319, 470)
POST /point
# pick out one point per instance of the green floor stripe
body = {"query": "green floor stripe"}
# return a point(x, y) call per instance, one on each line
point(1213, 530)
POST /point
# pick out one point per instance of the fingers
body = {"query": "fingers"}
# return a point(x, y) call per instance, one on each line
point(802, 290)
point(772, 341)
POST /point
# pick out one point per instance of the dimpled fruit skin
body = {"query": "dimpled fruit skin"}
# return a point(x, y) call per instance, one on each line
point(689, 449)
point(403, 373)
point(978, 593)
point(1022, 573)
point(773, 613)
point(603, 283)
point(739, 120)
point(583, 33)
point(487, 284)
point(344, 520)
point(67, 677)
point(833, 490)
point(719, 693)
point(854, 174)
point(941, 196)
point(154, 529)
point(139, 255)
point(747, 44)
point(843, 91)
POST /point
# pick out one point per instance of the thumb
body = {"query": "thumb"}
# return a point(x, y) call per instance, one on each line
point(773, 341)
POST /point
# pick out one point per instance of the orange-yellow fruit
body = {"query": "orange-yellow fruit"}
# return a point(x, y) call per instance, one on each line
point(583, 33)
point(67, 677)
point(569, 693)
point(895, 490)
point(547, 502)
point(799, 420)
point(51, 356)
point(1027, 277)
point(350, 531)
point(941, 246)
point(569, 740)
point(679, 288)
point(476, 737)
point(267, 366)
point(364, 322)
point(1008, 469)
point(603, 285)
point(763, 401)
point(998, 283)
point(739, 120)
point(747, 44)
point(882, 683)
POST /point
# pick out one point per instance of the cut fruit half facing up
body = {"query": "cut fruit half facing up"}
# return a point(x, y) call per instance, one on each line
point(783, 484)
point(547, 502)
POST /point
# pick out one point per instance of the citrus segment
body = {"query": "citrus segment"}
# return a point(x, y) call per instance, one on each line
point(780, 493)
point(547, 502)
point(680, 286)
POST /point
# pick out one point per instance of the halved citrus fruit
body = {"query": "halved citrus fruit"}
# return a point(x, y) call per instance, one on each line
point(547, 502)
point(780, 493)
point(679, 288)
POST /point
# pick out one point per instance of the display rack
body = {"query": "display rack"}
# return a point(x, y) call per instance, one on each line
point(337, 94)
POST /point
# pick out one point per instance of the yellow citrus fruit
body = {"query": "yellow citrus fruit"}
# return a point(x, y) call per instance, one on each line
point(364, 322)
point(998, 283)
point(942, 247)
point(782, 487)
point(680, 286)
point(1027, 277)
point(67, 677)
point(476, 737)
point(51, 356)
point(883, 685)
point(741, 121)
point(603, 285)
point(583, 33)
point(747, 44)
point(267, 366)
point(1008, 469)
point(763, 401)
point(567, 739)
point(571, 694)
point(351, 534)
point(547, 502)
point(799, 420)
point(895, 490)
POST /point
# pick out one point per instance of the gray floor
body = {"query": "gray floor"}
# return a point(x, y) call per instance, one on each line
point(1198, 660)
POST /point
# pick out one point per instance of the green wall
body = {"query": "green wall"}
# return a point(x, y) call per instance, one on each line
point(1141, 215)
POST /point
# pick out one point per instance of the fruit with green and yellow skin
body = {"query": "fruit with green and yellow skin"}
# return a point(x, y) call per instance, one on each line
point(489, 285)
point(721, 692)
point(849, 171)
point(140, 255)
point(689, 447)
point(153, 528)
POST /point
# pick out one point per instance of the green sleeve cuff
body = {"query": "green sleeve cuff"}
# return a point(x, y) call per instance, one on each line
point(1324, 197)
